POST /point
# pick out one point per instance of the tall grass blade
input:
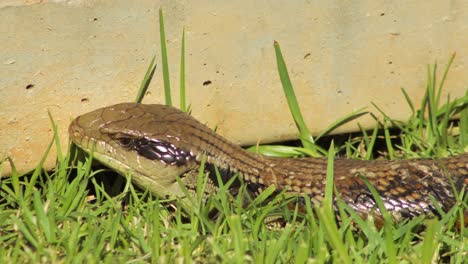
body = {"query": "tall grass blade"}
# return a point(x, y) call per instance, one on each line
point(306, 138)
point(165, 63)
point(146, 81)
point(183, 106)
point(442, 81)
point(432, 103)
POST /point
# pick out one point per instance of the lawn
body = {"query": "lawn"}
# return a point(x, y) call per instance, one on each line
point(80, 213)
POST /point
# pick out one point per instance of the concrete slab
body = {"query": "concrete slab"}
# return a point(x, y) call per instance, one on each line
point(69, 57)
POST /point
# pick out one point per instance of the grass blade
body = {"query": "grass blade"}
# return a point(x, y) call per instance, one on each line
point(432, 102)
point(165, 63)
point(329, 186)
point(464, 126)
point(387, 218)
point(347, 118)
point(146, 81)
point(442, 81)
point(388, 140)
point(58, 145)
point(328, 222)
point(182, 73)
point(408, 101)
point(430, 247)
point(306, 138)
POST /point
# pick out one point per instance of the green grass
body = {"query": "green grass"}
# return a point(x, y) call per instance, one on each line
point(80, 213)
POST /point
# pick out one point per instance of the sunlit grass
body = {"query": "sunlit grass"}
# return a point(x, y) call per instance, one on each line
point(80, 213)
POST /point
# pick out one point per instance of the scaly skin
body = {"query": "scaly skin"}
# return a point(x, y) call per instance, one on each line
point(158, 143)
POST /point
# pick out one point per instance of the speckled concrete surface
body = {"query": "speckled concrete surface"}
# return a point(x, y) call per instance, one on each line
point(69, 57)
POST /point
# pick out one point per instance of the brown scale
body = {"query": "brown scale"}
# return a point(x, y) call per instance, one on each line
point(404, 186)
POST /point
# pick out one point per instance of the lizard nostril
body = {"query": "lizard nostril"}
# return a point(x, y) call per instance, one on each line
point(76, 133)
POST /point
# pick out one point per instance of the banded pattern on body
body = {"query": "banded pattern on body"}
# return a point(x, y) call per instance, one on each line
point(158, 143)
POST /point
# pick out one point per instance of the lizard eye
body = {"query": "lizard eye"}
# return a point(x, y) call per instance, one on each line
point(125, 142)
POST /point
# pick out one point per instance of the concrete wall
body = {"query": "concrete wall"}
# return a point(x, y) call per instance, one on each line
point(69, 57)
